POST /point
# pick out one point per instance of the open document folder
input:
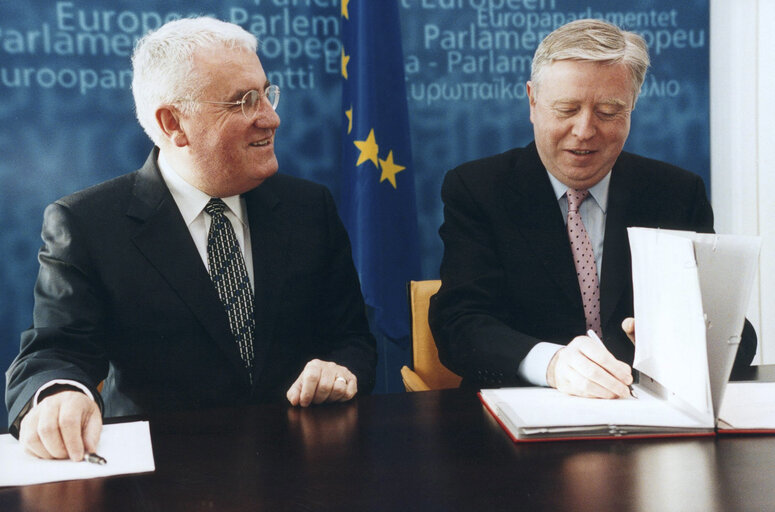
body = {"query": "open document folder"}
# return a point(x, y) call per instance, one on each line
point(690, 295)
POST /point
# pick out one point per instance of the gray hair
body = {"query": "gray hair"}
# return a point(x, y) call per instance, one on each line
point(163, 64)
point(595, 41)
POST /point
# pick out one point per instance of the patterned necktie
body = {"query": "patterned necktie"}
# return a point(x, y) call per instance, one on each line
point(584, 258)
point(230, 277)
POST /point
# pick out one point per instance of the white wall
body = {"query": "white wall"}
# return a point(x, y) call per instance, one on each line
point(742, 93)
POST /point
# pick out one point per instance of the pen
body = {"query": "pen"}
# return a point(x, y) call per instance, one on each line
point(592, 334)
point(95, 459)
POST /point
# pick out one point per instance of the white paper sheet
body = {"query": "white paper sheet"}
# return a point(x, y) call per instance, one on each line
point(126, 447)
point(670, 325)
point(545, 407)
point(727, 265)
point(691, 291)
point(749, 405)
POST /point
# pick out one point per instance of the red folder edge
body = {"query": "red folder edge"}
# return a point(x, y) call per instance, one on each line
point(744, 431)
point(595, 438)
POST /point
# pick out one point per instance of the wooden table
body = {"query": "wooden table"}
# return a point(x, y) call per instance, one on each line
point(430, 451)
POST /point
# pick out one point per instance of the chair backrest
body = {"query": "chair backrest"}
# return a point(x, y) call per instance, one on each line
point(425, 355)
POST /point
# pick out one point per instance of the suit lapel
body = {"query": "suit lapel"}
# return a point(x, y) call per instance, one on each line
point(615, 275)
point(269, 249)
point(166, 242)
point(538, 218)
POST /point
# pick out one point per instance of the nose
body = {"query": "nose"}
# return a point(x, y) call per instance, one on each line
point(265, 116)
point(584, 127)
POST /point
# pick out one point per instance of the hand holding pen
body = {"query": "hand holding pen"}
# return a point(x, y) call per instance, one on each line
point(592, 334)
point(586, 368)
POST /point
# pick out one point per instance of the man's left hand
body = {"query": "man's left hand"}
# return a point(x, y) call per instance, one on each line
point(628, 326)
point(322, 381)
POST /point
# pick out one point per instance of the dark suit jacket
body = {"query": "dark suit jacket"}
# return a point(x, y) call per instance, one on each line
point(123, 295)
point(508, 278)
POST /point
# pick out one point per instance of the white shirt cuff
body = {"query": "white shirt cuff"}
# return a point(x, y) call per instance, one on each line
point(61, 381)
point(533, 367)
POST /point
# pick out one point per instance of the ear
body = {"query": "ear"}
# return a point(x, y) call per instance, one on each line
point(531, 98)
point(168, 120)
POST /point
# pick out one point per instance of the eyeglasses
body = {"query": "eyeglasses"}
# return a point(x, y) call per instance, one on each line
point(251, 101)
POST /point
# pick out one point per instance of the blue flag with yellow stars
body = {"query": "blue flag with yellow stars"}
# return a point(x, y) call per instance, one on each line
point(378, 202)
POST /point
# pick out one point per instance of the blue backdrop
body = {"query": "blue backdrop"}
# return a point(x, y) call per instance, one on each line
point(67, 122)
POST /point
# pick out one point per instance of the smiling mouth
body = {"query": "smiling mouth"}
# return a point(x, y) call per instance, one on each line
point(261, 143)
point(580, 152)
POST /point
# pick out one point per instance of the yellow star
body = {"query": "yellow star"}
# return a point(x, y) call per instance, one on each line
point(390, 169)
point(345, 12)
point(349, 114)
point(345, 60)
point(369, 149)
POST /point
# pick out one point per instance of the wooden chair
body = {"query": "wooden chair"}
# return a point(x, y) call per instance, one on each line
point(428, 372)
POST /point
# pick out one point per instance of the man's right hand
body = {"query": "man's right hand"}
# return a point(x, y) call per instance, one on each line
point(586, 368)
point(64, 425)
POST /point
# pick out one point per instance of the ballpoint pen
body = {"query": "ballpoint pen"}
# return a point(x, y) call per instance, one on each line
point(592, 334)
point(95, 459)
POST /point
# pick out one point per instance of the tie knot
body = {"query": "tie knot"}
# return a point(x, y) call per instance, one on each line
point(215, 206)
point(575, 198)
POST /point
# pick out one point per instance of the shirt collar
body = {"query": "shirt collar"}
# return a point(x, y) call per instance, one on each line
point(190, 200)
point(599, 191)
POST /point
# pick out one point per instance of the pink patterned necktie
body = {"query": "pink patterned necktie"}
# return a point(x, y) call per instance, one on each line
point(584, 258)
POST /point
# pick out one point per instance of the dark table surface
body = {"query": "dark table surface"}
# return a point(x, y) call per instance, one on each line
point(435, 450)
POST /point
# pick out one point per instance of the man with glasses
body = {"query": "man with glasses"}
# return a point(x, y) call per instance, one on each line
point(204, 278)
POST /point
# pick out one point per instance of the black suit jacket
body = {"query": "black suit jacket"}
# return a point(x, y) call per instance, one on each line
point(508, 278)
point(123, 295)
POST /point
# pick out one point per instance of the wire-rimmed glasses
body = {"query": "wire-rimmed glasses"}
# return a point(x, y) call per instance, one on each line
point(251, 101)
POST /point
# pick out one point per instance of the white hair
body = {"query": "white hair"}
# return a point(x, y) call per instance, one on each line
point(593, 40)
point(163, 64)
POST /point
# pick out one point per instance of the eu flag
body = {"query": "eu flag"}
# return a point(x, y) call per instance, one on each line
point(378, 202)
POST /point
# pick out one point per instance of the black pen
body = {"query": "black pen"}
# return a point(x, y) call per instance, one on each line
point(95, 459)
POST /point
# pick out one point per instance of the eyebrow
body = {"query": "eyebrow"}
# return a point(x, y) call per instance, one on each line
point(239, 94)
point(614, 102)
point(571, 101)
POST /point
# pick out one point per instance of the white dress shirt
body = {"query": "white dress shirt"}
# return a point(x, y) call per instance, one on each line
point(191, 202)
